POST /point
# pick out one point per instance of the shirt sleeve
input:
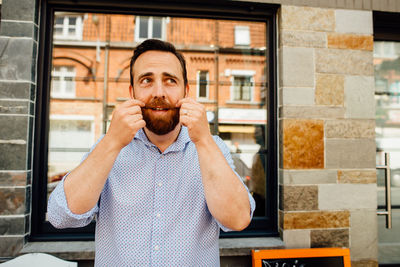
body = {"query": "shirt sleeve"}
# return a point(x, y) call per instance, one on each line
point(58, 212)
point(225, 151)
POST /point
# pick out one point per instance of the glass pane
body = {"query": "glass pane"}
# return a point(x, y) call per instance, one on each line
point(157, 26)
point(72, 21)
point(59, 21)
point(144, 27)
point(76, 121)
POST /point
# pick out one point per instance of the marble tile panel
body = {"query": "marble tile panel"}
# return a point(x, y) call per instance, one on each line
point(309, 177)
point(303, 144)
point(296, 238)
point(13, 178)
point(364, 246)
point(329, 238)
point(356, 176)
point(329, 90)
point(303, 39)
point(307, 18)
point(297, 68)
point(315, 219)
point(11, 245)
point(12, 201)
point(296, 198)
point(351, 41)
point(312, 112)
point(354, 21)
point(350, 128)
point(297, 96)
point(360, 97)
point(365, 263)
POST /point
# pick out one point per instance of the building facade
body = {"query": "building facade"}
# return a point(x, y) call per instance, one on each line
point(317, 80)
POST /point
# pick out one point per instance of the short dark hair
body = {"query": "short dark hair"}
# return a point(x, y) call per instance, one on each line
point(157, 45)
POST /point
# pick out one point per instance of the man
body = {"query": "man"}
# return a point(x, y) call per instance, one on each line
point(165, 184)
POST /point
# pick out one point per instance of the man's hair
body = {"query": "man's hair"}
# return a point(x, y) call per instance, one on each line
point(157, 45)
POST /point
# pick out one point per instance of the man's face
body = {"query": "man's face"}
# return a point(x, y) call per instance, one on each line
point(158, 82)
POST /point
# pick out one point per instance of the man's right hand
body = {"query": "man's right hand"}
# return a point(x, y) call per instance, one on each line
point(126, 120)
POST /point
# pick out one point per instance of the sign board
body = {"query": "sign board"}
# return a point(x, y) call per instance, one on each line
point(312, 257)
point(242, 116)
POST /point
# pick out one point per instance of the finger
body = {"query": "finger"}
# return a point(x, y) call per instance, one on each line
point(136, 117)
point(133, 110)
point(185, 100)
point(133, 102)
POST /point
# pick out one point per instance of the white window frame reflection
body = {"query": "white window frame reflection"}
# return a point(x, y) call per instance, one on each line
point(242, 73)
point(69, 32)
point(63, 74)
point(138, 20)
point(199, 85)
point(242, 35)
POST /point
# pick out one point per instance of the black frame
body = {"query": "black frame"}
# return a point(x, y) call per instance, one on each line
point(261, 226)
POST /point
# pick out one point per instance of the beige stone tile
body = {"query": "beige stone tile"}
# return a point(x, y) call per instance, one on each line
point(354, 21)
point(350, 153)
point(297, 96)
point(297, 68)
point(303, 39)
point(365, 263)
point(313, 112)
point(315, 220)
point(329, 90)
point(342, 61)
point(311, 177)
point(356, 176)
point(350, 41)
point(307, 18)
point(329, 238)
point(350, 129)
point(296, 198)
point(296, 238)
point(303, 144)
point(347, 196)
point(359, 94)
point(363, 246)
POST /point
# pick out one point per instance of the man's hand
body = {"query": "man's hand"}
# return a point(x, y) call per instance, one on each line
point(127, 119)
point(193, 116)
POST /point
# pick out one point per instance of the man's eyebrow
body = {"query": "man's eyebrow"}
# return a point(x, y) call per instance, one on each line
point(166, 74)
point(144, 75)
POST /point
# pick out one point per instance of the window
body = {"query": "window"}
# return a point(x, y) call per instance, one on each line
point(68, 27)
point(242, 35)
point(77, 100)
point(202, 84)
point(149, 27)
point(63, 82)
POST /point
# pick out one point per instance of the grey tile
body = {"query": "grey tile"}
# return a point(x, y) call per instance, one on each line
point(16, 59)
point(11, 245)
point(13, 178)
point(14, 107)
point(12, 156)
point(12, 225)
point(19, 10)
point(16, 129)
point(12, 201)
point(20, 90)
point(350, 153)
point(17, 29)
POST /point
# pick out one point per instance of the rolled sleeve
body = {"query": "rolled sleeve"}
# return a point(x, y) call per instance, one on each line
point(60, 216)
point(227, 154)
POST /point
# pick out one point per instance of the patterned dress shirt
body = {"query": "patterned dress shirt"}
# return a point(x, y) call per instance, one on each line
point(152, 210)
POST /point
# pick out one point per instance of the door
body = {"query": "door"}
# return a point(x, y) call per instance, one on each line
point(387, 96)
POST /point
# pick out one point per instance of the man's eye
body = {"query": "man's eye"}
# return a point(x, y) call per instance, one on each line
point(171, 80)
point(145, 80)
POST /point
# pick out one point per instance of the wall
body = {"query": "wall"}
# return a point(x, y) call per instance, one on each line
point(327, 126)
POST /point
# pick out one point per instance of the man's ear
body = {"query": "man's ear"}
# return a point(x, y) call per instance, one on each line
point(131, 92)
point(187, 90)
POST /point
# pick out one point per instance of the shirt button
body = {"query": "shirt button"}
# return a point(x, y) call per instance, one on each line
point(158, 215)
point(159, 184)
point(156, 247)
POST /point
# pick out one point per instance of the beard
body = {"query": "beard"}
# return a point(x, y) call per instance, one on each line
point(162, 124)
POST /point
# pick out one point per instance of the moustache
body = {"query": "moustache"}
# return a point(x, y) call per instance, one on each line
point(159, 104)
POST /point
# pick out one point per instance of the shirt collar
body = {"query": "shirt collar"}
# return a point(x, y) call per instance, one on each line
point(178, 145)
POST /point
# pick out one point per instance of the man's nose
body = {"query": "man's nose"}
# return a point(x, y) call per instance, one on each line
point(158, 90)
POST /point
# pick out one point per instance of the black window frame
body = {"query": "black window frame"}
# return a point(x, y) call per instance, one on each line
point(233, 10)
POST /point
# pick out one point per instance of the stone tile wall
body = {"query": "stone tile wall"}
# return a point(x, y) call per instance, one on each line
point(327, 131)
point(18, 54)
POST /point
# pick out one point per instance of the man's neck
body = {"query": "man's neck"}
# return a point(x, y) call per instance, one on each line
point(163, 141)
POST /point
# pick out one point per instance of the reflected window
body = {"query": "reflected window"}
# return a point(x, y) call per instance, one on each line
point(63, 82)
point(149, 27)
point(242, 35)
point(242, 87)
point(68, 27)
point(202, 84)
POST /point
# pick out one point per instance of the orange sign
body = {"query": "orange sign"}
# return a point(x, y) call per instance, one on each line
point(312, 257)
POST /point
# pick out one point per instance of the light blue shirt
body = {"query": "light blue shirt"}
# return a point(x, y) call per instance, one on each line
point(152, 210)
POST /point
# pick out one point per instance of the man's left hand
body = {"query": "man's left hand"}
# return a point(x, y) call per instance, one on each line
point(193, 116)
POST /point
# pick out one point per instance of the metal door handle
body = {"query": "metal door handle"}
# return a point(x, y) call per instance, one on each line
point(388, 212)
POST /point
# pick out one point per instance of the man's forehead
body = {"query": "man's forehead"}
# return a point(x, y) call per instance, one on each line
point(155, 60)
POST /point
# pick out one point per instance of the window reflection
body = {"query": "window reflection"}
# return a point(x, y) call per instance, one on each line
point(226, 66)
